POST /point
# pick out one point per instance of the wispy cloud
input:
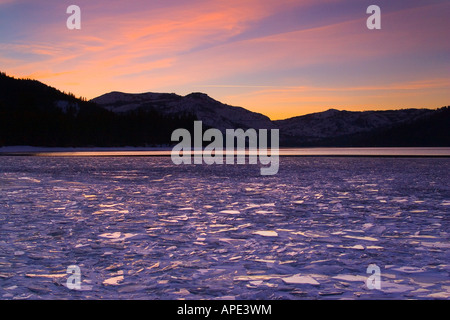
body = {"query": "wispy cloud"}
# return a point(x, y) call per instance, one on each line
point(250, 53)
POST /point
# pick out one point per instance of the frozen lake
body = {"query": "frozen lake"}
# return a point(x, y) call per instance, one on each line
point(143, 228)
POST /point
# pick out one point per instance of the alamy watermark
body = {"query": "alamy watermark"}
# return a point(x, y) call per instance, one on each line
point(374, 21)
point(74, 280)
point(374, 280)
point(235, 147)
point(74, 20)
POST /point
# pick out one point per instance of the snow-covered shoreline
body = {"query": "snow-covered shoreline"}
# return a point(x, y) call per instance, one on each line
point(165, 150)
point(31, 149)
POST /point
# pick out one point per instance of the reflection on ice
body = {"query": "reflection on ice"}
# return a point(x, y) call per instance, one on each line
point(267, 233)
point(144, 228)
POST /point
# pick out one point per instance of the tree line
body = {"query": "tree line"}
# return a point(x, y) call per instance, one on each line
point(29, 115)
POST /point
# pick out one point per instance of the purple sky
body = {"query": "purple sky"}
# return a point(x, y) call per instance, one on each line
point(282, 58)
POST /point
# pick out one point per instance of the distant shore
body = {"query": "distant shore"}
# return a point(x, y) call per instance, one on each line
point(166, 151)
point(13, 149)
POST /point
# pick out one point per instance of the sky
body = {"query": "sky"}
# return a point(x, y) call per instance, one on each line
point(282, 58)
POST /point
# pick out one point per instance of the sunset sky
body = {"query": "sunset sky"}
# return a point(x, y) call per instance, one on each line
point(281, 58)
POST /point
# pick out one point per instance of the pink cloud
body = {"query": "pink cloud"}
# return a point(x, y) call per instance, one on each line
point(189, 43)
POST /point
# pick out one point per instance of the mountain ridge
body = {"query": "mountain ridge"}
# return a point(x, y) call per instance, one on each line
point(326, 128)
point(36, 114)
point(213, 113)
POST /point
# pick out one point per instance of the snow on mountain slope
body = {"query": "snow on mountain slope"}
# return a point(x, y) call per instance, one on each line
point(301, 130)
point(333, 122)
point(213, 113)
point(66, 106)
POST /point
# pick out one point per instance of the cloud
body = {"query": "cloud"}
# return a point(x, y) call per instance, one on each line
point(182, 46)
point(284, 102)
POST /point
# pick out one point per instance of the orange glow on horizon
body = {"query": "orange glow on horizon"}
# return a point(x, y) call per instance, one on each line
point(277, 68)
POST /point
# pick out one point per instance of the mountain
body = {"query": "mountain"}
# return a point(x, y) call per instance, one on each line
point(406, 127)
point(334, 122)
point(429, 130)
point(213, 113)
point(28, 93)
point(32, 113)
